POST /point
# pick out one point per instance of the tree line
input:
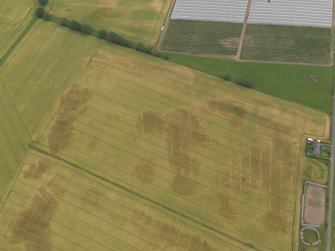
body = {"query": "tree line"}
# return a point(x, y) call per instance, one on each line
point(86, 29)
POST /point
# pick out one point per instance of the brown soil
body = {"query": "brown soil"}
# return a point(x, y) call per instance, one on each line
point(226, 210)
point(144, 171)
point(33, 223)
point(71, 107)
point(182, 131)
point(36, 170)
point(315, 205)
point(154, 230)
point(233, 112)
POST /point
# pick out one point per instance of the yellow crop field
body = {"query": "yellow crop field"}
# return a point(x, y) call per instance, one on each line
point(131, 152)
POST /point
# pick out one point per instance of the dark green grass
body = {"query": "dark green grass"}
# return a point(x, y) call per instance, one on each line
point(308, 85)
point(287, 44)
point(202, 37)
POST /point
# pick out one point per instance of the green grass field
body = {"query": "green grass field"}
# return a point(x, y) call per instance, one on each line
point(206, 152)
point(287, 44)
point(138, 22)
point(311, 86)
point(15, 15)
point(201, 37)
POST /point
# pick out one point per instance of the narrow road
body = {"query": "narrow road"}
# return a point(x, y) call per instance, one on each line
point(331, 181)
point(244, 29)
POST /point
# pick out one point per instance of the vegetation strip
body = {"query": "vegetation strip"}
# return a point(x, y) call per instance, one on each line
point(100, 34)
point(41, 151)
point(17, 41)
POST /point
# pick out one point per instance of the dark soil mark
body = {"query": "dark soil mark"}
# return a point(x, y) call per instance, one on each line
point(71, 107)
point(158, 231)
point(144, 171)
point(36, 170)
point(182, 131)
point(233, 112)
point(33, 223)
point(226, 210)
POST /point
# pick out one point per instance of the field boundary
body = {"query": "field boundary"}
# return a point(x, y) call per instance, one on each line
point(166, 25)
point(36, 149)
point(244, 29)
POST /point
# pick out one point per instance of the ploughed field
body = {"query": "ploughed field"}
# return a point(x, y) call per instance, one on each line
point(277, 31)
point(130, 151)
point(139, 22)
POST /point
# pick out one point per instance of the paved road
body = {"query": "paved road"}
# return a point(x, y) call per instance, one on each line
point(331, 182)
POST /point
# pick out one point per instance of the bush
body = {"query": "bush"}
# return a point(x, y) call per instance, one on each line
point(64, 22)
point(226, 77)
point(245, 83)
point(74, 25)
point(43, 2)
point(86, 29)
point(102, 34)
point(117, 39)
point(47, 17)
point(40, 12)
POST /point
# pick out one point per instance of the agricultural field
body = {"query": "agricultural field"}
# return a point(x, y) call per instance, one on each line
point(14, 139)
point(34, 82)
point(293, 44)
point(202, 37)
point(15, 15)
point(54, 206)
point(311, 86)
point(173, 139)
point(137, 22)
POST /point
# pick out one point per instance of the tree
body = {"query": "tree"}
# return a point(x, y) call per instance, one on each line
point(47, 16)
point(102, 34)
point(64, 22)
point(117, 39)
point(74, 25)
point(86, 29)
point(40, 12)
point(43, 2)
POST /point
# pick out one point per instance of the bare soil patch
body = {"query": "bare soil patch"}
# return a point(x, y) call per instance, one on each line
point(315, 205)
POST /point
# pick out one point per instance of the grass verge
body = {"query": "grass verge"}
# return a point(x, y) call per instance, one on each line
point(307, 85)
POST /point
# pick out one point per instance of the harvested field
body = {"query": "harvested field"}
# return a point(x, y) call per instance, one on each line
point(315, 204)
point(292, 44)
point(202, 37)
point(66, 209)
point(138, 21)
point(161, 156)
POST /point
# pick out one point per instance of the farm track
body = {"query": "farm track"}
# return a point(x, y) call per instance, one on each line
point(244, 30)
point(189, 218)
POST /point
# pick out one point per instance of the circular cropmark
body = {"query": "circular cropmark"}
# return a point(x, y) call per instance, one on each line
point(310, 236)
